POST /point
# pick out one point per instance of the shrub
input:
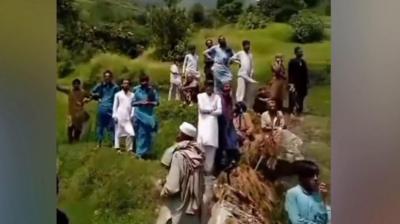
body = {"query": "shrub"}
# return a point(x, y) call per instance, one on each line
point(252, 20)
point(308, 27)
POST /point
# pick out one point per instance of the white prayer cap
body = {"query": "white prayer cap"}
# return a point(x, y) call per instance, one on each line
point(188, 129)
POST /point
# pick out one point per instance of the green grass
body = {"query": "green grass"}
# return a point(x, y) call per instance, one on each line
point(100, 185)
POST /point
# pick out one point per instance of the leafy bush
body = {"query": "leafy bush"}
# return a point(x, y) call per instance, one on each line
point(252, 20)
point(308, 27)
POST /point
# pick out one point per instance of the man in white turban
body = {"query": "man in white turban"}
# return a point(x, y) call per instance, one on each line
point(183, 188)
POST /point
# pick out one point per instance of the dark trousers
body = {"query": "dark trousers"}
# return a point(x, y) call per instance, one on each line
point(296, 102)
point(74, 134)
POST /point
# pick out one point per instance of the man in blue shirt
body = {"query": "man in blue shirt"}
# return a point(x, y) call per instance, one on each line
point(145, 100)
point(306, 202)
point(220, 55)
point(104, 93)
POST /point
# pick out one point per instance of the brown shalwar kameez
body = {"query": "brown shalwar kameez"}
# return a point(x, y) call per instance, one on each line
point(279, 85)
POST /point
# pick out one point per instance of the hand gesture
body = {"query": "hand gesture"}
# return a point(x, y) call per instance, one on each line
point(323, 189)
point(291, 88)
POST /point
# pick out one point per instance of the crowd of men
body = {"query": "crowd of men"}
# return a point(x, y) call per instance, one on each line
point(123, 113)
point(224, 130)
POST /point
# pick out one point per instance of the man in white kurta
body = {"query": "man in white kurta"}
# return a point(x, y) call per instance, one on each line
point(175, 82)
point(191, 65)
point(122, 114)
point(210, 107)
point(183, 188)
point(246, 71)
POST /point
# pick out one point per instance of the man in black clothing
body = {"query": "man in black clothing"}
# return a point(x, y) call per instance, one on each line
point(208, 63)
point(298, 81)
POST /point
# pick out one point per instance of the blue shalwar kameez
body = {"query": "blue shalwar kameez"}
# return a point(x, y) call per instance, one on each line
point(220, 68)
point(304, 208)
point(144, 122)
point(106, 94)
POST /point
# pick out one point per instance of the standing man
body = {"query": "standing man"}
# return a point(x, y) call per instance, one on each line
point(104, 92)
point(190, 70)
point(227, 153)
point(175, 81)
point(220, 55)
point(144, 101)
point(306, 202)
point(122, 115)
point(279, 82)
point(183, 189)
point(210, 108)
point(298, 81)
point(77, 116)
point(208, 63)
point(246, 72)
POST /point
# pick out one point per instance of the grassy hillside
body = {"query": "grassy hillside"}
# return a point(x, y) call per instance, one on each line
point(265, 43)
point(101, 186)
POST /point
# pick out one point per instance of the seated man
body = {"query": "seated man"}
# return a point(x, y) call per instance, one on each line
point(261, 101)
point(272, 118)
point(183, 188)
point(190, 90)
point(306, 202)
point(243, 124)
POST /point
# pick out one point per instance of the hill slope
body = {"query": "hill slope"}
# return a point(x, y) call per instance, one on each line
point(276, 38)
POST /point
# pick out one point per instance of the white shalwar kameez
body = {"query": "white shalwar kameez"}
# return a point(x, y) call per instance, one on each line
point(175, 83)
point(122, 114)
point(210, 107)
point(245, 74)
point(191, 67)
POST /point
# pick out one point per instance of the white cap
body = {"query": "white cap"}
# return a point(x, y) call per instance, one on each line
point(188, 129)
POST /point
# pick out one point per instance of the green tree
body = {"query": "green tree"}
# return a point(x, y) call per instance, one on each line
point(280, 10)
point(170, 27)
point(308, 27)
point(78, 40)
point(312, 3)
point(197, 14)
point(229, 10)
